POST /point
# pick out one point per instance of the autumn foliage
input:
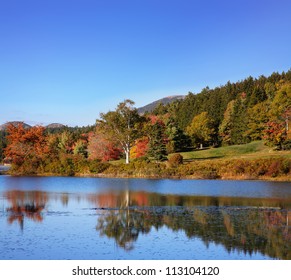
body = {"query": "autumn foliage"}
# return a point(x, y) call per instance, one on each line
point(100, 148)
point(25, 144)
point(140, 148)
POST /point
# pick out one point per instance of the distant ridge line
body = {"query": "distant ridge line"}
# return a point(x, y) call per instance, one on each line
point(166, 100)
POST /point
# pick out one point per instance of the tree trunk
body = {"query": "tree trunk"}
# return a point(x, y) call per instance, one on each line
point(127, 157)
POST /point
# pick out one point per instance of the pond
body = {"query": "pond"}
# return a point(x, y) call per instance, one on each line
point(99, 218)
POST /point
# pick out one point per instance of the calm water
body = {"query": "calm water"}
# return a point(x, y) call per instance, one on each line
point(93, 218)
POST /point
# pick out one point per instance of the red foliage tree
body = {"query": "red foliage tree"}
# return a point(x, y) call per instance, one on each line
point(101, 148)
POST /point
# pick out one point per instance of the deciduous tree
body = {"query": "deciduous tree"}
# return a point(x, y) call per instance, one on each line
point(200, 129)
point(122, 125)
point(99, 147)
point(26, 144)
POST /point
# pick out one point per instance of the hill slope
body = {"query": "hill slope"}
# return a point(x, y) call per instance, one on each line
point(55, 125)
point(4, 126)
point(150, 107)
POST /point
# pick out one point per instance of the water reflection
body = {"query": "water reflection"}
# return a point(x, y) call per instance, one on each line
point(25, 205)
point(246, 230)
point(124, 226)
point(247, 225)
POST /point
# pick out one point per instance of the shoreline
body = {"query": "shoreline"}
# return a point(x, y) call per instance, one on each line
point(244, 177)
point(262, 169)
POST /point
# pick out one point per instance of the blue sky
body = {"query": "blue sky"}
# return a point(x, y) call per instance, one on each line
point(68, 60)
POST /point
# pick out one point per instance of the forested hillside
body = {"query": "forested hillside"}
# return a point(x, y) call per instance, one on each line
point(236, 113)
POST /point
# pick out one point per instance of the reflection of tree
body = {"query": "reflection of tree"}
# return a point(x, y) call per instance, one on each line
point(25, 205)
point(124, 226)
point(245, 224)
point(247, 230)
point(121, 199)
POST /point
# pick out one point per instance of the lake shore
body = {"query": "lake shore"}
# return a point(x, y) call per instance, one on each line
point(266, 169)
point(154, 177)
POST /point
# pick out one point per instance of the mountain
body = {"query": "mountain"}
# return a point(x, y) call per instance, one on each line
point(15, 123)
point(50, 126)
point(55, 125)
point(150, 107)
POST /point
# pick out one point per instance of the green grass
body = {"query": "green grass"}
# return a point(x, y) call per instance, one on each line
point(255, 149)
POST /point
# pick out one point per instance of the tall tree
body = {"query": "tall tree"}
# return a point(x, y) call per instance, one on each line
point(3, 144)
point(257, 117)
point(122, 125)
point(226, 124)
point(157, 141)
point(178, 141)
point(239, 121)
point(200, 129)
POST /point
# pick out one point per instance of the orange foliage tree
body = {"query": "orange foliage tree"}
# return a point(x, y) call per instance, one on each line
point(25, 145)
point(140, 148)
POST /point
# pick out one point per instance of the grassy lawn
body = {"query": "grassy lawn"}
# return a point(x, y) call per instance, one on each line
point(255, 149)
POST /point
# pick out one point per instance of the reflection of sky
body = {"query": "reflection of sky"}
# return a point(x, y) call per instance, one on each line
point(258, 189)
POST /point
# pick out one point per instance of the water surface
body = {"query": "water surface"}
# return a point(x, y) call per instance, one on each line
point(94, 218)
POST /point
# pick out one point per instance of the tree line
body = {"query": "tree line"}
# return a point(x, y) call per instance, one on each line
point(236, 113)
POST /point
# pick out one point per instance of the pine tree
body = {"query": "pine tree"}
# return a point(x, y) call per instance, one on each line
point(157, 144)
point(239, 121)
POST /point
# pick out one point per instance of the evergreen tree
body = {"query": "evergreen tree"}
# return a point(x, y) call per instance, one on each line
point(177, 140)
point(2, 144)
point(257, 117)
point(227, 124)
point(239, 121)
point(157, 142)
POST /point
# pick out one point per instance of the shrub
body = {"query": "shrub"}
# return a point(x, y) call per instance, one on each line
point(287, 145)
point(175, 160)
point(95, 166)
point(274, 169)
point(286, 166)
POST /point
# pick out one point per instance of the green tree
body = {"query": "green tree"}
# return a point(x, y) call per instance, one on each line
point(157, 141)
point(257, 117)
point(3, 144)
point(177, 140)
point(80, 148)
point(270, 89)
point(122, 125)
point(226, 124)
point(200, 129)
point(66, 142)
point(281, 102)
point(239, 122)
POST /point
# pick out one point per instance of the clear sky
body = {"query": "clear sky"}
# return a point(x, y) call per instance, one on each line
point(68, 60)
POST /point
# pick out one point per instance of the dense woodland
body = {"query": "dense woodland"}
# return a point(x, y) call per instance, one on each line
point(235, 113)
